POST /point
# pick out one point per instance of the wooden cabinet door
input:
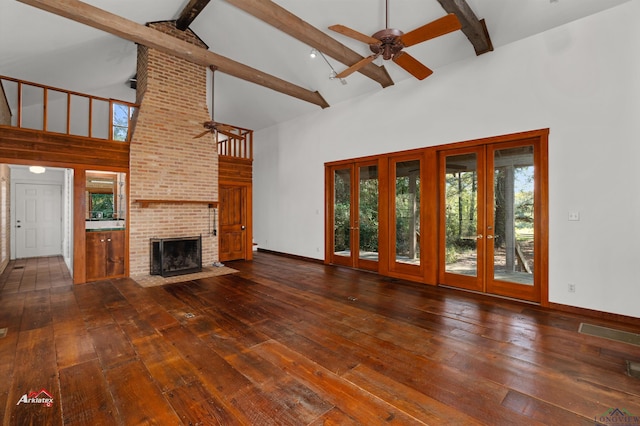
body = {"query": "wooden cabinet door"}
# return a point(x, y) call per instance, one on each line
point(114, 262)
point(105, 255)
point(96, 254)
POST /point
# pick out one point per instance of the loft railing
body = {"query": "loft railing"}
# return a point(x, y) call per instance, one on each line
point(240, 146)
point(50, 109)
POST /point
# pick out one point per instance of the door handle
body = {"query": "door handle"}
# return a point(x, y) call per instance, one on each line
point(489, 237)
point(242, 227)
point(479, 237)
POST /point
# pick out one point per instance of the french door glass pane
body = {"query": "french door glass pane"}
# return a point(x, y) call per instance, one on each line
point(368, 215)
point(407, 205)
point(461, 209)
point(513, 182)
point(342, 212)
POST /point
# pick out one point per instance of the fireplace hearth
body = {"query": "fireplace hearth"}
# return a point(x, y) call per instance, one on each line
point(176, 256)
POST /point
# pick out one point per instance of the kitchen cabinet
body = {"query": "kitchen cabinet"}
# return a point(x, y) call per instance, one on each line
point(105, 255)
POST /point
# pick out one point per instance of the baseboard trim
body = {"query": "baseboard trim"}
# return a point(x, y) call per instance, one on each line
point(624, 319)
point(291, 256)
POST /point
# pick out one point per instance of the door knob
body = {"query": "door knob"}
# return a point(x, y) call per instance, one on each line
point(242, 227)
point(479, 237)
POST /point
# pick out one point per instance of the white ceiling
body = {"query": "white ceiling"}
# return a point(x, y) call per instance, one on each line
point(44, 48)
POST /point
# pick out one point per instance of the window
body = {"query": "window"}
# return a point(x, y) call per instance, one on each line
point(121, 121)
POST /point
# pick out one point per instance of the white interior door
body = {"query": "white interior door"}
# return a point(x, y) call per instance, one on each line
point(38, 220)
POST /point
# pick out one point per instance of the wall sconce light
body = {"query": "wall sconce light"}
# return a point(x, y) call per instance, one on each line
point(37, 169)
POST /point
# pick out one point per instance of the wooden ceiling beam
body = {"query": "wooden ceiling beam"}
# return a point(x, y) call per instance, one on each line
point(475, 29)
point(287, 22)
point(132, 31)
point(190, 12)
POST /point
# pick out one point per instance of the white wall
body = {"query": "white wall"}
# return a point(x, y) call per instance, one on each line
point(580, 80)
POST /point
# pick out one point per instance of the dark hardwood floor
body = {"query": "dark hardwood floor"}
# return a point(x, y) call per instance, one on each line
point(288, 342)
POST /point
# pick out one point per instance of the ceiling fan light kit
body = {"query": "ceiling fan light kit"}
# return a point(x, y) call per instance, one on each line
point(390, 42)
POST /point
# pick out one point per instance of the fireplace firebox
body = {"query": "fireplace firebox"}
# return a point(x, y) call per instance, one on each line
point(176, 256)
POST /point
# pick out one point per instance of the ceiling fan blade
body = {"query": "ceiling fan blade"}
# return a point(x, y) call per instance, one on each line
point(224, 127)
point(412, 65)
point(355, 67)
point(202, 134)
point(354, 34)
point(230, 135)
point(431, 30)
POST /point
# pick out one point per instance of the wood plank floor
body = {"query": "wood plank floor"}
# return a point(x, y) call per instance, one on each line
point(288, 342)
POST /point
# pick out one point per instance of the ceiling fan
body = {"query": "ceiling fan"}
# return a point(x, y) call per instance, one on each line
point(390, 42)
point(215, 127)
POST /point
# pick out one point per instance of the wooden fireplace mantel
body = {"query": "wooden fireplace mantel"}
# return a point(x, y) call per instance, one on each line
point(146, 202)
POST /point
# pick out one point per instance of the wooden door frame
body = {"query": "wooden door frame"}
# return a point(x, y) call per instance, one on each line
point(353, 261)
point(502, 288)
point(329, 246)
point(467, 282)
point(397, 268)
point(430, 212)
point(248, 209)
point(540, 140)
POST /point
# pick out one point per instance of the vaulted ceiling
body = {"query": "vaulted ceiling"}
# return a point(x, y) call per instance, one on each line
point(269, 42)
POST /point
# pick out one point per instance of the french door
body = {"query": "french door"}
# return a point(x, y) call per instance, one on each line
point(491, 221)
point(353, 215)
point(406, 217)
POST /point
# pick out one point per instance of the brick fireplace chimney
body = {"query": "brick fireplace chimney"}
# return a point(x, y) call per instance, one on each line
point(166, 163)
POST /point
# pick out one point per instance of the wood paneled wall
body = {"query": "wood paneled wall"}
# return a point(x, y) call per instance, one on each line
point(233, 169)
point(23, 146)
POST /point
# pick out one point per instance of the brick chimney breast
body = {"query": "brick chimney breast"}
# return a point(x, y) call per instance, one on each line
point(166, 162)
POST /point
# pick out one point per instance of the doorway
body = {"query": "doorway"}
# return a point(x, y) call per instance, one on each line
point(354, 214)
point(492, 229)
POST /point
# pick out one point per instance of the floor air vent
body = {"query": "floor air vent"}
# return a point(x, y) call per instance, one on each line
point(610, 333)
point(3, 332)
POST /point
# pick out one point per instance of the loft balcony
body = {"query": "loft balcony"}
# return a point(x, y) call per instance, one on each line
point(38, 107)
point(58, 112)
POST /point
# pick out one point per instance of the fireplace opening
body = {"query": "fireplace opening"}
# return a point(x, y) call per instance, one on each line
point(176, 256)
